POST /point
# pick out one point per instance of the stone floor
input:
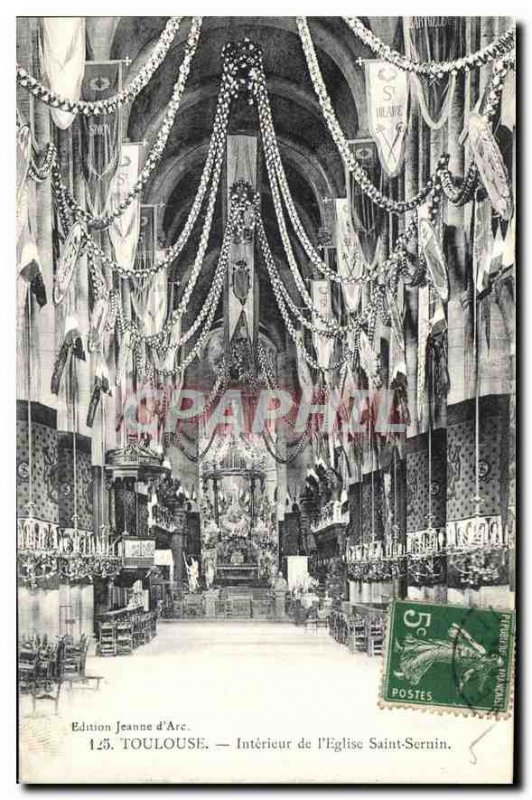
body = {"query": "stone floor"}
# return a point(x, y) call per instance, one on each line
point(231, 684)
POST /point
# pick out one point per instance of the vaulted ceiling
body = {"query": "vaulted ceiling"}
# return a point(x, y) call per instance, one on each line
point(314, 168)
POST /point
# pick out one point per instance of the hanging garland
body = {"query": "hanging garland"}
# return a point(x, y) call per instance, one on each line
point(436, 70)
point(441, 177)
point(158, 339)
point(155, 154)
point(46, 95)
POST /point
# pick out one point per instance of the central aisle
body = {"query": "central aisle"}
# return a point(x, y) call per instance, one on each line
point(230, 683)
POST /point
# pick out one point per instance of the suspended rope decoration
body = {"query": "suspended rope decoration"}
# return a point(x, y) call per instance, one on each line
point(441, 177)
point(268, 258)
point(436, 70)
point(160, 339)
point(153, 157)
point(127, 95)
point(273, 386)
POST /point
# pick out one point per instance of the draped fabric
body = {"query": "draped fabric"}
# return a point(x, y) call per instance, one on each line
point(241, 167)
point(434, 39)
point(63, 61)
point(101, 136)
point(387, 99)
point(125, 230)
point(350, 261)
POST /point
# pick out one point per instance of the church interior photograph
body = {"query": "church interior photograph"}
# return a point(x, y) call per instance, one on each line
point(266, 303)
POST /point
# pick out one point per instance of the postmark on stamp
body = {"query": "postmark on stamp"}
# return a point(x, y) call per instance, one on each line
point(448, 657)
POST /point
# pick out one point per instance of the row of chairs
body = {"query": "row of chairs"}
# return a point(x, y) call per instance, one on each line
point(44, 664)
point(359, 632)
point(120, 637)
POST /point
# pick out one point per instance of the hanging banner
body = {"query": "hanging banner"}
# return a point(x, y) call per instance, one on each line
point(490, 165)
point(349, 258)
point(240, 285)
point(434, 39)
point(63, 61)
point(100, 136)
point(125, 230)
point(322, 300)
point(368, 218)
point(387, 99)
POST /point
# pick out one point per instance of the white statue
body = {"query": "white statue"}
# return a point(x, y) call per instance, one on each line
point(192, 574)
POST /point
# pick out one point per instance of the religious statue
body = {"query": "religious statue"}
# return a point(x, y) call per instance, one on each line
point(192, 573)
point(233, 521)
point(209, 572)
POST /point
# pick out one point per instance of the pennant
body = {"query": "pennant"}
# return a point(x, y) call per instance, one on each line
point(124, 364)
point(436, 264)
point(63, 61)
point(387, 100)
point(368, 218)
point(423, 335)
point(434, 39)
point(490, 165)
point(148, 295)
point(508, 101)
point(23, 157)
point(322, 301)
point(396, 320)
point(508, 257)
point(72, 344)
point(482, 245)
point(240, 287)
point(172, 347)
point(67, 262)
point(303, 372)
point(155, 306)
point(100, 136)
point(98, 321)
point(101, 385)
point(349, 259)
point(125, 230)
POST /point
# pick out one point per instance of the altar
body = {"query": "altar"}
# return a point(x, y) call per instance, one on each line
point(239, 536)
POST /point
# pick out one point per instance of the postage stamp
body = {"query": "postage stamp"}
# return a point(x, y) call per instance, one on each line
point(448, 657)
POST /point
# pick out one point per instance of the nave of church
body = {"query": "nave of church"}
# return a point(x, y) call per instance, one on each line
point(265, 344)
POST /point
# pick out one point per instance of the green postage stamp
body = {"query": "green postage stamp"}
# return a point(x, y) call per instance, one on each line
point(449, 657)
